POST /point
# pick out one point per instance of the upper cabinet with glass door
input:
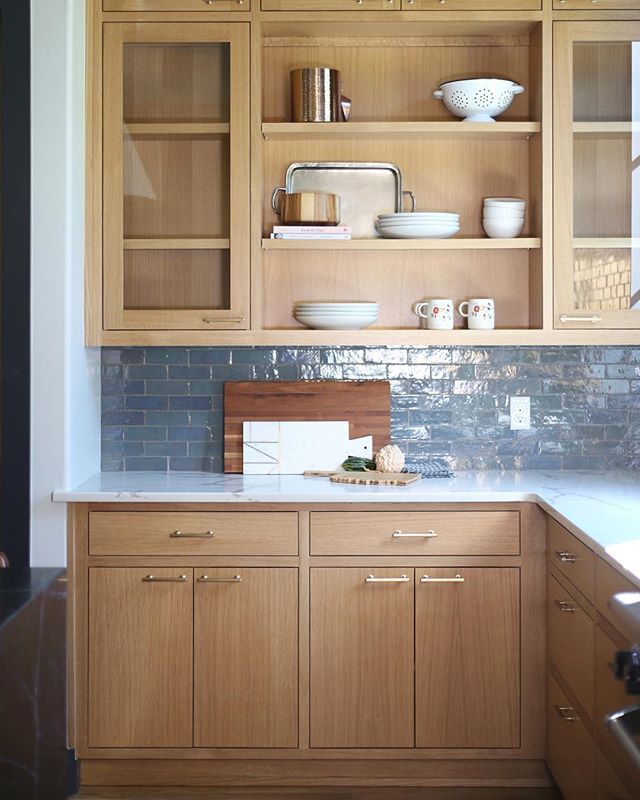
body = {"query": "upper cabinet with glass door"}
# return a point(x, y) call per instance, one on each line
point(176, 176)
point(597, 174)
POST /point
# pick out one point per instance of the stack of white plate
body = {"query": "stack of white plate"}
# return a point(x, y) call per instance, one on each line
point(336, 316)
point(418, 225)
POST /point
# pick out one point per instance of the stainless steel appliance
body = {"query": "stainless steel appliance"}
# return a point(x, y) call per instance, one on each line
point(624, 724)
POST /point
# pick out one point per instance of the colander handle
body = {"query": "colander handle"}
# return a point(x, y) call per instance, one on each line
point(439, 94)
point(517, 89)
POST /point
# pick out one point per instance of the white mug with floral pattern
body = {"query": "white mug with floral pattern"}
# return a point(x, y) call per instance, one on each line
point(438, 313)
point(480, 313)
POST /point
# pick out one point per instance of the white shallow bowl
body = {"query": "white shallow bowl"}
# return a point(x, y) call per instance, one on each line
point(419, 215)
point(334, 314)
point(502, 229)
point(505, 202)
point(339, 306)
point(342, 322)
point(502, 213)
point(420, 232)
point(394, 223)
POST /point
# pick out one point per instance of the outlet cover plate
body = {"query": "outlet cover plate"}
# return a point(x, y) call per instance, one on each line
point(520, 411)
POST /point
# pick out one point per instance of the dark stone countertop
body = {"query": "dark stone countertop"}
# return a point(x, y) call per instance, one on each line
point(19, 586)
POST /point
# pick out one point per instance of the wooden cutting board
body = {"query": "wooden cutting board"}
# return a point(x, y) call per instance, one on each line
point(376, 478)
point(365, 405)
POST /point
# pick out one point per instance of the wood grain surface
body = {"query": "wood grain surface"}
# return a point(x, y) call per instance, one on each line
point(366, 405)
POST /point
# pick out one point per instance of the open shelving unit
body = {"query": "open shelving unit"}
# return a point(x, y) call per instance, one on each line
point(450, 165)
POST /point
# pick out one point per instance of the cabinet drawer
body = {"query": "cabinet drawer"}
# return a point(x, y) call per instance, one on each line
point(572, 558)
point(608, 583)
point(610, 693)
point(160, 533)
point(596, 5)
point(471, 5)
point(570, 747)
point(331, 5)
point(176, 5)
point(570, 634)
point(438, 533)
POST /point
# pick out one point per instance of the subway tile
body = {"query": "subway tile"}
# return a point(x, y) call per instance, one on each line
point(166, 355)
point(145, 464)
point(449, 403)
point(145, 402)
point(145, 433)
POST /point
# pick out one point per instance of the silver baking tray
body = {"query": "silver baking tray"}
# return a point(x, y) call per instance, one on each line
point(366, 189)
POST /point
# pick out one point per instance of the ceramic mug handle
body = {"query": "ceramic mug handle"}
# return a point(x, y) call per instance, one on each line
point(418, 310)
point(461, 312)
point(274, 199)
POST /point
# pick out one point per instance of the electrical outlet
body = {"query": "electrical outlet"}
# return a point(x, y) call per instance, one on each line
point(520, 408)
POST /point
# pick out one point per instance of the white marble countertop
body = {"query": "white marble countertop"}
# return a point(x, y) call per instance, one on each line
point(602, 510)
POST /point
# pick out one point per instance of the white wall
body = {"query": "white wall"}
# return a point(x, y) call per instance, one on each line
point(65, 387)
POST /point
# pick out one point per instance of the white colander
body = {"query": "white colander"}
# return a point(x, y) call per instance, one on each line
point(478, 99)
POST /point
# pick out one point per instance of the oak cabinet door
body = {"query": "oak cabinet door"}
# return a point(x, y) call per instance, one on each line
point(361, 657)
point(140, 657)
point(176, 5)
point(468, 657)
point(596, 182)
point(246, 657)
point(331, 5)
point(176, 176)
point(471, 5)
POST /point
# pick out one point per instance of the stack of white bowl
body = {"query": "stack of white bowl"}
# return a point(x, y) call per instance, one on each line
point(418, 225)
point(336, 316)
point(503, 217)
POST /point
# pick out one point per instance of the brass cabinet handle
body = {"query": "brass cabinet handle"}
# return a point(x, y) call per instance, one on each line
point(155, 579)
point(426, 535)
point(181, 535)
point(567, 714)
point(456, 579)
point(373, 579)
point(207, 579)
point(566, 557)
point(565, 606)
point(593, 318)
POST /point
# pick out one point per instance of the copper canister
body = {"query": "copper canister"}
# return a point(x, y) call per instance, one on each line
point(315, 94)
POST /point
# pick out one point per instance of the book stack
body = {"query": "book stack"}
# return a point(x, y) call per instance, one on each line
point(311, 232)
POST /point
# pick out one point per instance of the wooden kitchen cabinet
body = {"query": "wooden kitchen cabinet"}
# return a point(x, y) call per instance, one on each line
point(467, 657)
point(597, 283)
point(361, 657)
point(471, 5)
point(330, 5)
point(596, 5)
point(246, 657)
point(140, 664)
point(176, 5)
point(176, 176)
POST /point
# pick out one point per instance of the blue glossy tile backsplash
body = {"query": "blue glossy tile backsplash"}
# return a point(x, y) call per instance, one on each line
point(162, 407)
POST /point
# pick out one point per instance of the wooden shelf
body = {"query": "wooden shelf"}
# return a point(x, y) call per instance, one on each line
point(176, 128)
point(176, 244)
point(605, 130)
point(296, 131)
point(401, 244)
point(606, 243)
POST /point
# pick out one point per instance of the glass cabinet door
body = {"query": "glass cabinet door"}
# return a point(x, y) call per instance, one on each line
point(176, 176)
point(597, 174)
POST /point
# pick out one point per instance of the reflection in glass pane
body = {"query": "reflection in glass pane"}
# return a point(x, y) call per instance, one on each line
point(603, 84)
point(176, 83)
point(176, 279)
point(602, 280)
point(176, 186)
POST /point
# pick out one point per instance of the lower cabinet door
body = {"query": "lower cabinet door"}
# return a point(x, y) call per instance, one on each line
point(570, 746)
point(362, 657)
point(468, 657)
point(609, 786)
point(246, 657)
point(140, 657)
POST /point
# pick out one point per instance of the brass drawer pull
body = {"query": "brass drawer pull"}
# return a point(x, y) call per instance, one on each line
point(567, 714)
point(456, 579)
point(565, 606)
point(181, 535)
point(373, 579)
point(594, 319)
point(155, 579)
point(207, 579)
point(427, 535)
point(566, 557)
